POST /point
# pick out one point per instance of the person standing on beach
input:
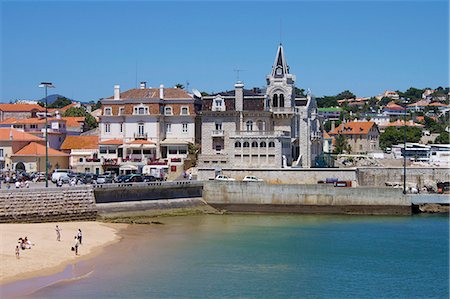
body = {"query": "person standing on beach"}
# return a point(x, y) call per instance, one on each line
point(80, 236)
point(17, 252)
point(58, 233)
point(75, 245)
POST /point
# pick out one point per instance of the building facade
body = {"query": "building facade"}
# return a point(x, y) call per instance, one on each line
point(361, 136)
point(251, 128)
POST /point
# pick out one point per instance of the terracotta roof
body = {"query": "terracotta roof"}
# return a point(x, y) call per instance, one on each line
point(5, 134)
point(326, 135)
point(8, 121)
point(419, 103)
point(36, 149)
point(393, 106)
point(437, 104)
point(80, 142)
point(141, 142)
point(401, 123)
point(20, 107)
point(74, 121)
point(111, 142)
point(355, 127)
point(153, 93)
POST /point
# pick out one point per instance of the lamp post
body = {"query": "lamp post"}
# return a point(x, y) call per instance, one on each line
point(404, 152)
point(46, 85)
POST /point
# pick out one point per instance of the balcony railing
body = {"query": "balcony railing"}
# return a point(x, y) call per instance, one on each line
point(217, 133)
point(261, 134)
point(282, 109)
point(140, 135)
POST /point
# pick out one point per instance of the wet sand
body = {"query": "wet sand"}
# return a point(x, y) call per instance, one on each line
point(48, 256)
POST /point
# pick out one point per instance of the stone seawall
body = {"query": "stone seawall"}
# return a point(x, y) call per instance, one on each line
point(47, 205)
point(262, 197)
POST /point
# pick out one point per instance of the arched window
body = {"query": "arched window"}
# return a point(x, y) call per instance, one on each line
point(275, 100)
point(108, 111)
point(237, 144)
point(168, 110)
point(249, 124)
point(262, 144)
point(246, 144)
point(271, 144)
point(254, 144)
point(281, 100)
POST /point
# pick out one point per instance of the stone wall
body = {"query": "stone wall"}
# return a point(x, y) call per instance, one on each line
point(47, 205)
point(362, 176)
point(318, 198)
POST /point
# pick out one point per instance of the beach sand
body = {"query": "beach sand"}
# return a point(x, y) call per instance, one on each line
point(49, 256)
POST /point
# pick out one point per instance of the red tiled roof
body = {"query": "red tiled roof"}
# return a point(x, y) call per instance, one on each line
point(8, 121)
point(153, 93)
point(20, 107)
point(393, 106)
point(437, 104)
point(80, 142)
point(420, 103)
point(355, 127)
point(74, 121)
point(111, 142)
point(38, 150)
point(401, 123)
point(7, 133)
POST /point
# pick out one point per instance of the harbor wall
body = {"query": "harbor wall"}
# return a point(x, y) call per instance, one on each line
point(361, 176)
point(47, 205)
point(319, 198)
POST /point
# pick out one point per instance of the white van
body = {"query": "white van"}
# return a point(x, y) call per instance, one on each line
point(160, 172)
point(61, 174)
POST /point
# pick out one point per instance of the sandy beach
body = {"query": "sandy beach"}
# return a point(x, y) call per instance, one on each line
point(47, 255)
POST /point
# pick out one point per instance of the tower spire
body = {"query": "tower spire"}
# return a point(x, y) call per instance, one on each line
point(280, 68)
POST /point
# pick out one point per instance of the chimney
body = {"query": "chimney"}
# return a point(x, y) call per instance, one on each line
point(239, 96)
point(116, 92)
point(143, 85)
point(161, 91)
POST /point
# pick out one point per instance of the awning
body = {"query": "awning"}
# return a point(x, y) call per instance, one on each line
point(128, 167)
point(166, 142)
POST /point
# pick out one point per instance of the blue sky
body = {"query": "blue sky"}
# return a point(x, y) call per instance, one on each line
point(85, 47)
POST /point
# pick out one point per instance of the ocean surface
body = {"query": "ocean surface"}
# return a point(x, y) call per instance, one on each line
point(264, 256)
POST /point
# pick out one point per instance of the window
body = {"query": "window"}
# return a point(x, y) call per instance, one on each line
point(184, 111)
point(281, 100)
point(182, 151)
point(275, 100)
point(218, 104)
point(173, 151)
point(121, 127)
point(262, 144)
point(271, 144)
point(122, 111)
point(168, 128)
point(111, 150)
point(103, 150)
point(249, 125)
point(218, 126)
point(107, 128)
point(246, 144)
point(81, 160)
point(136, 152)
point(141, 129)
point(237, 144)
point(1, 152)
point(168, 110)
point(254, 144)
point(185, 128)
point(218, 147)
point(33, 126)
point(108, 111)
point(140, 110)
point(147, 152)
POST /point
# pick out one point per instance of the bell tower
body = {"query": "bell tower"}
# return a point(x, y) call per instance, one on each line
point(280, 84)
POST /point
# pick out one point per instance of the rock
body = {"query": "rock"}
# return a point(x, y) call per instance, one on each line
point(434, 208)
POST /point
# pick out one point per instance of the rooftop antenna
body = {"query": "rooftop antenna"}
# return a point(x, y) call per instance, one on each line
point(281, 31)
point(238, 70)
point(187, 85)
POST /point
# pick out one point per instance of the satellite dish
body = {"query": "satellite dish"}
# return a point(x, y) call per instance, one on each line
point(196, 93)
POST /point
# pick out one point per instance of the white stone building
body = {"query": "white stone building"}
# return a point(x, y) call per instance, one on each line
point(249, 128)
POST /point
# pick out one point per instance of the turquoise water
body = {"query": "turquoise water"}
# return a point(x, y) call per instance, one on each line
point(262, 256)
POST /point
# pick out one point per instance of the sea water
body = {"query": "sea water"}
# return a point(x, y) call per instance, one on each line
point(264, 256)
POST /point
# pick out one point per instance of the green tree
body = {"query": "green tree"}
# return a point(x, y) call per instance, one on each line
point(384, 101)
point(393, 135)
point(346, 94)
point(179, 85)
point(326, 101)
point(89, 120)
point(60, 102)
point(443, 138)
point(341, 145)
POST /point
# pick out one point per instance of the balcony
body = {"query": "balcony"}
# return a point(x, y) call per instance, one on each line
point(217, 133)
point(282, 110)
point(110, 162)
point(140, 136)
point(272, 134)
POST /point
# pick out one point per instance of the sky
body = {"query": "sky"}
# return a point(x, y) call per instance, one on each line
point(86, 47)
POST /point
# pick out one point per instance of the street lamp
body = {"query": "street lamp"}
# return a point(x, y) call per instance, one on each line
point(46, 85)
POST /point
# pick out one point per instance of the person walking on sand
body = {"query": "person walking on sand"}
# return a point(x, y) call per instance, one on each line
point(75, 245)
point(58, 233)
point(80, 236)
point(17, 252)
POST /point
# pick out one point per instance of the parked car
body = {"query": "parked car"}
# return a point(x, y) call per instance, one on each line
point(39, 177)
point(62, 174)
point(104, 179)
point(221, 177)
point(134, 178)
point(252, 178)
point(122, 178)
point(149, 178)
